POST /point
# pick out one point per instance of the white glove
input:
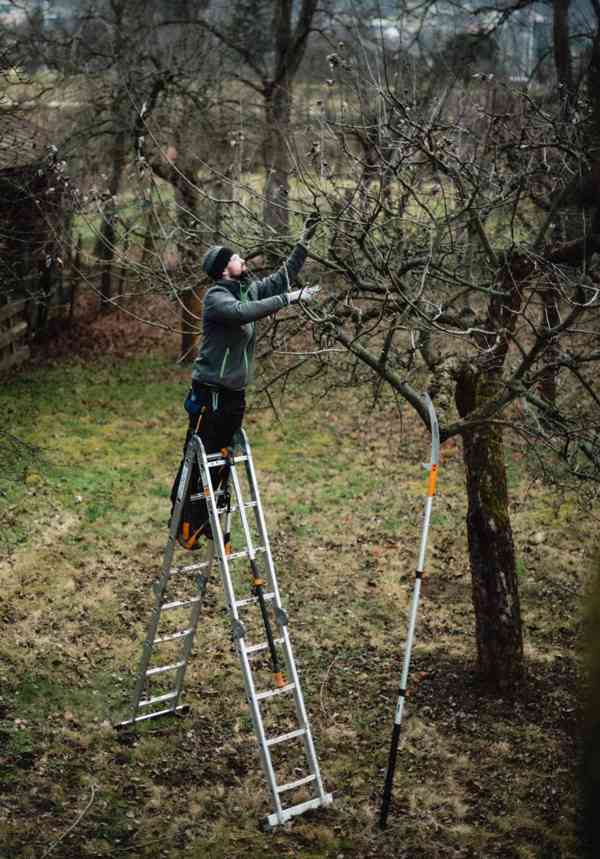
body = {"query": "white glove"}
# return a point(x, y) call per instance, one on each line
point(306, 294)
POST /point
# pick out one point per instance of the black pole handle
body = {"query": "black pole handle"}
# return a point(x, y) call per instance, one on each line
point(257, 583)
point(389, 778)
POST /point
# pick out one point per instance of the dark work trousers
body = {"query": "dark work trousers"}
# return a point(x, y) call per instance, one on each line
point(217, 415)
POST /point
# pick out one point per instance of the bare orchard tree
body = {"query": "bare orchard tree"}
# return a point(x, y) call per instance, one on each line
point(443, 274)
point(263, 44)
point(149, 116)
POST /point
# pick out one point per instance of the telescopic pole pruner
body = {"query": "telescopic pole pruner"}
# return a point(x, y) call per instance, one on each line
point(432, 467)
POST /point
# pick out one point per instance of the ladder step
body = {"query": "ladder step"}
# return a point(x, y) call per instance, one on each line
point(180, 603)
point(147, 702)
point(162, 668)
point(283, 738)
point(190, 568)
point(294, 784)
point(287, 813)
point(271, 693)
point(256, 648)
point(246, 505)
point(252, 600)
point(200, 496)
point(213, 463)
point(153, 715)
point(173, 636)
point(243, 553)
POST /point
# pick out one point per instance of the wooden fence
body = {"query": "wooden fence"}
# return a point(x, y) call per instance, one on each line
point(14, 328)
point(24, 322)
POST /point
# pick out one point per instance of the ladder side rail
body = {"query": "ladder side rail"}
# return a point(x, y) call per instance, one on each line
point(217, 531)
point(259, 728)
point(256, 714)
point(301, 712)
point(257, 580)
point(241, 510)
point(188, 642)
point(163, 580)
point(260, 518)
point(238, 628)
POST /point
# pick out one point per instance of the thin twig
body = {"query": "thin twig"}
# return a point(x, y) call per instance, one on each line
point(324, 684)
point(74, 824)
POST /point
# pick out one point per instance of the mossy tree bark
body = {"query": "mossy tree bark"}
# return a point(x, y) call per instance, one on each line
point(491, 548)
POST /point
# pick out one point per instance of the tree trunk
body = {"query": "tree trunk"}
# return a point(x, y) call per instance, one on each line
point(186, 197)
point(148, 246)
point(183, 178)
point(105, 244)
point(562, 54)
point(549, 378)
point(275, 157)
point(75, 279)
point(191, 314)
point(491, 549)
point(192, 299)
point(593, 88)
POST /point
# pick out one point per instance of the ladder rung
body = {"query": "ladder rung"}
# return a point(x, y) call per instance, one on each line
point(271, 693)
point(294, 784)
point(148, 701)
point(162, 668)
point(246, 505)
point(243, 553)
point(173, 636)
point(152, 715)
point(293, 810)
point(283, 738)
point(190, 568)
point(212, 463)
point(251, 600)
point(180, 603)
point(199, 496)
point(255, 648)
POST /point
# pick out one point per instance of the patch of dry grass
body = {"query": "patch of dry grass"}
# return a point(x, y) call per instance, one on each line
point(343, 491)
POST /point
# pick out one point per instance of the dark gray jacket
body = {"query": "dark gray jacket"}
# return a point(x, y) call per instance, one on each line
point(231, 307)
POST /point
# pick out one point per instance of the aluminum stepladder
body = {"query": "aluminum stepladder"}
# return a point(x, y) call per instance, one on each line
point(265, 596)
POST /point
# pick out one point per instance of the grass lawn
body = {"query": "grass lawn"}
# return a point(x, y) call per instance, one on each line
point(83, 523)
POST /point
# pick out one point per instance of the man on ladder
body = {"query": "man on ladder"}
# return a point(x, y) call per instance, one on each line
point(216, 408)
point(224, 366)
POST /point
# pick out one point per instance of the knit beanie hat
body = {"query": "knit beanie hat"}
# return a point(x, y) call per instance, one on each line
point(215, 260)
